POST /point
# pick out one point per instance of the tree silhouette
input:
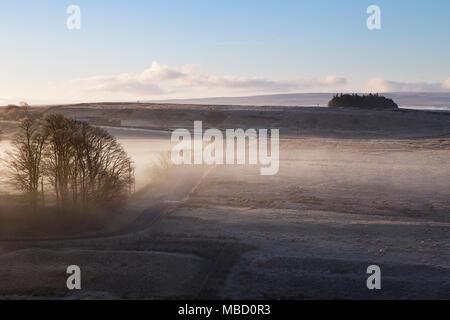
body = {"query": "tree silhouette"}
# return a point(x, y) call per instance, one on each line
point(370, 101)
point(25, 161)
point(84, 165)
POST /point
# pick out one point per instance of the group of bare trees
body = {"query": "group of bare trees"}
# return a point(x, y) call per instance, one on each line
point(83, 165)
point(13, 112)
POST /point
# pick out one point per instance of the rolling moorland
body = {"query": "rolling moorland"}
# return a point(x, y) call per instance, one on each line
point(355, 188)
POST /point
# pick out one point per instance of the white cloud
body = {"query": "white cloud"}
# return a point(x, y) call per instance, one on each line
point(382, 85)
point(446, 84)
point(166, 82)
point(377, 85)
point(161, 80)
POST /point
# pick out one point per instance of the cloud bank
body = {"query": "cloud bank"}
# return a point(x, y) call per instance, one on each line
point(446, 84)
point(160, 80)
point(382, 85)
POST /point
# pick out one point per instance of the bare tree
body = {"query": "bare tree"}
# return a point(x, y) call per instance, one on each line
point(59, 154)
point(85, 165)
point(25, 160)
point(102, 171)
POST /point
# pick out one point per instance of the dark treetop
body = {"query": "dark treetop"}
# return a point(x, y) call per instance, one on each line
point(371, 101)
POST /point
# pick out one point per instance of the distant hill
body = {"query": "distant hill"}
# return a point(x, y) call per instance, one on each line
point(290, 99)
point(413, 100)
point(370, 101)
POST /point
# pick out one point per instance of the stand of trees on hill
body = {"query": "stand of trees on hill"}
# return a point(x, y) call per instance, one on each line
point(83, 165)
point(371, 101)
point(16, 113)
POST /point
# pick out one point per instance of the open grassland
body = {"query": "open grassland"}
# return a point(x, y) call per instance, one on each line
point(345, 198)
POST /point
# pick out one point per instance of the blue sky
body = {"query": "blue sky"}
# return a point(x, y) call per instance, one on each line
point(131, 50)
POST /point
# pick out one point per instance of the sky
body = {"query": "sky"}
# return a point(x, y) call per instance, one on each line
point(142, 50)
